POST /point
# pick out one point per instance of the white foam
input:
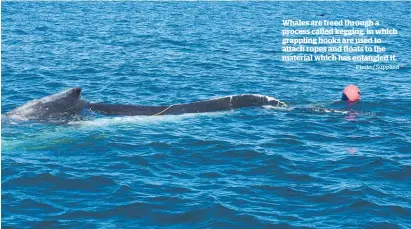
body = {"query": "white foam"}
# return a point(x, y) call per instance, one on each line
point(140, 120)
point(328, 110)
point(271, 107)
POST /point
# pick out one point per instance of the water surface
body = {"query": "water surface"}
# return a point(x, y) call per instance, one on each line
point(254, 167)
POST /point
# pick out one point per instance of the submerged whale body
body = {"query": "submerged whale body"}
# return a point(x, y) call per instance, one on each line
point(69, 102)
point(212, 105)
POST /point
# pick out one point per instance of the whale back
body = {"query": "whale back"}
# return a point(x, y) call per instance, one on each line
point(63, 103)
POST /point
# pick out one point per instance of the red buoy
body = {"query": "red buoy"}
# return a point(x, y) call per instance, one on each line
point(351, 93)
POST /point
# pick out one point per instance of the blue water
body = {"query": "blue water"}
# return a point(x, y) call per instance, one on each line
point(248, 168)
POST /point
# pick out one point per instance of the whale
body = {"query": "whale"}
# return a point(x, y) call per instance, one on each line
point(69, 102)
point(211, 105)
point(65, 103)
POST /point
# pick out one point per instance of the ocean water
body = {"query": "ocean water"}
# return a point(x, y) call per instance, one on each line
point(247, 168)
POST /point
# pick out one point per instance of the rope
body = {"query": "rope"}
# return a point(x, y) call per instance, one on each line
point(283, 104)
point(159, 113)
